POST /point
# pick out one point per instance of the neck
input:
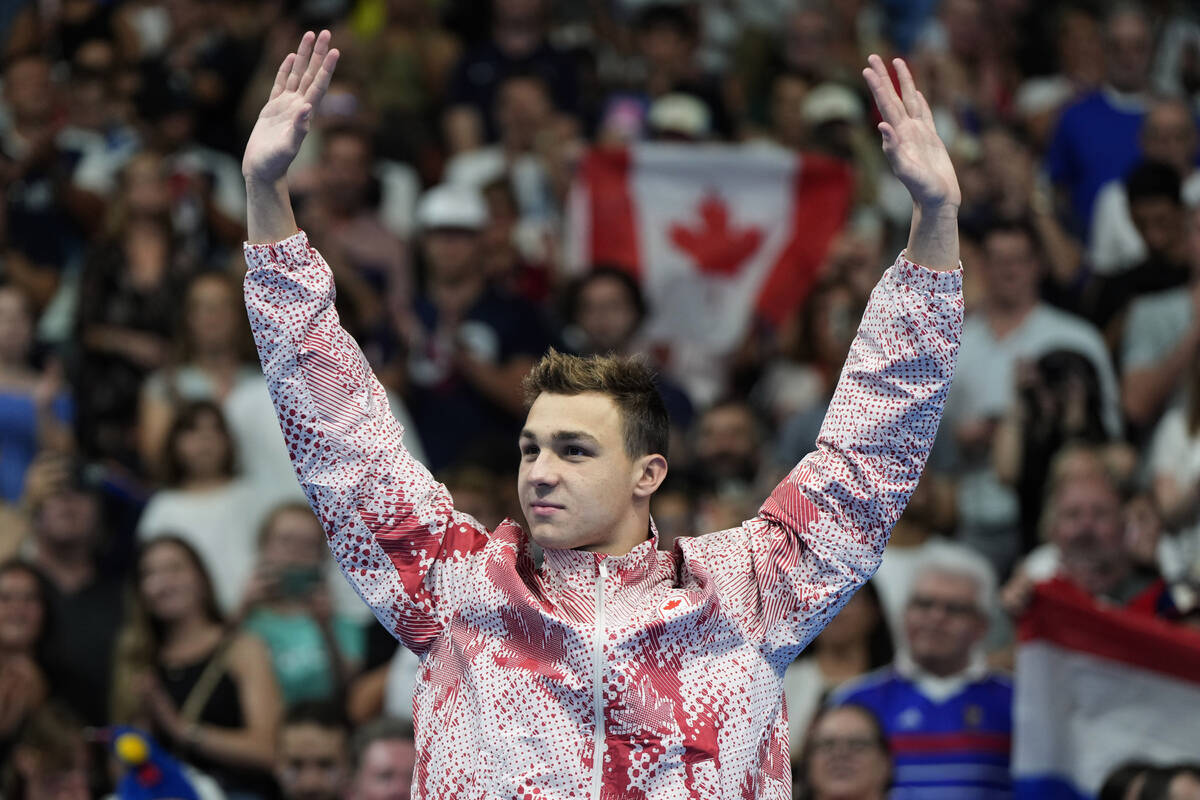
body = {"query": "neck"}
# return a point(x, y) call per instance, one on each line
point(69, 566)
point(200, 483)
point(1003, 317)
point(186, 629)
point(629, 533)
point(945, 668)
point(216, 358)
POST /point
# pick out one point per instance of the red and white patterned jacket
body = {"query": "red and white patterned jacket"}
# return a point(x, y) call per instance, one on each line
point(651, 675)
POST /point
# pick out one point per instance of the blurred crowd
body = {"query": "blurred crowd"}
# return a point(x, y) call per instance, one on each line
point(158, 564)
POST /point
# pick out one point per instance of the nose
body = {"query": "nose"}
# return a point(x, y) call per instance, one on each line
point(543, 472)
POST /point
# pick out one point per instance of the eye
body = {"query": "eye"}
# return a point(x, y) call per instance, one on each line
point(529, 450)
point(574, 450)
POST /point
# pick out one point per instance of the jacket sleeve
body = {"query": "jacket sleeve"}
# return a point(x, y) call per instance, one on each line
point(820, 535)
point(390, 525)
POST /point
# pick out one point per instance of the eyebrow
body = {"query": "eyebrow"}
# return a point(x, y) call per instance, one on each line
point(564, 436)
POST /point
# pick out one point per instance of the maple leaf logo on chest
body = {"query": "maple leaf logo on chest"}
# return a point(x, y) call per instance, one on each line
point(714, 245)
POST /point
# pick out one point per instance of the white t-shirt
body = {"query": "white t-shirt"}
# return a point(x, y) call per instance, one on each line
point(1176, 453)
point(221, 523)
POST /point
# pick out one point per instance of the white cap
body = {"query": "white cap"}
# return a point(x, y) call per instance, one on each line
point(682, 114)
point(452, 206)
point(831, 102)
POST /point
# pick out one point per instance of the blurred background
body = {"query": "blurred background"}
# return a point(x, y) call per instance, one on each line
point(697, 182)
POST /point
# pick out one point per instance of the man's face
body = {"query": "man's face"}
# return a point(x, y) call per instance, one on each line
point(345, 170)
point(29, 90)
point(1129, 51)
point(1169, 135)
point(1010, 269)
point(1088, 528)
point(1160, 221)
point(68, 518)
point(942, 622)
point(452, 253)
point(607, 314)
point(386, 771)
point(727, 443)
point(312, 762)
point(576, 480)
point(522, 110)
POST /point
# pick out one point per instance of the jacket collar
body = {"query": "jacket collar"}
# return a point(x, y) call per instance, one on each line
point(578, 569)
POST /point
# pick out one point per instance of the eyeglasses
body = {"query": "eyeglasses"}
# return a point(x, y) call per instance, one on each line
point(852, 745)
point(927, 604)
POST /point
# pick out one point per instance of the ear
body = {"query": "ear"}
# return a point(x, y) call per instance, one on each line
point(651, 470)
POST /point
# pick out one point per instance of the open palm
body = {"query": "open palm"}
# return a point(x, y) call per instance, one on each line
point(283, 122)
point(912, 146)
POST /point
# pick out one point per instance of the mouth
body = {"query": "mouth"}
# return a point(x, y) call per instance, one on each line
point(541, 508)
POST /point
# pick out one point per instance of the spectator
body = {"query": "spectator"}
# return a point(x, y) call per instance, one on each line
point(1168, 136)
point(939, 704)
point(1058, 404)
point(605, 310)
point(206, 691)
point(1096, 138)
point(405, 63)
point(1160, 342)
point(1174, 466)
point(1125, 782)
point(727, 453)
point(856, 642)
point(44, 210)
point(288, 604)
point(131, 281)
point(84, 600)
point(1161, 220)
point(35, 407)
point(517, 44)
point(383, 757)
point(1011, 325)
point(205, 502)
point(471, 345)
point(667, 38)
point(213, 361)
point(1078, 51)
point(24, 633)
point(847, 756)
point(50, 760)
point(524, 115)
point(313, 758)
point(1086, 548)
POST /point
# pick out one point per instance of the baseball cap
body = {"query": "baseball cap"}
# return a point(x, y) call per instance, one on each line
point(452, 206)
point(831, 102)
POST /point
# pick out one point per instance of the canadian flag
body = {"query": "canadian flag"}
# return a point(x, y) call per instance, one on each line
point(716, 234)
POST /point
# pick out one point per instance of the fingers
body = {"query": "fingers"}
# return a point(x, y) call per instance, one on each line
point(908, 88)
point(320, 83)
point(320, 48)
point(300, 64)
point(281, 77)
point(886, 99)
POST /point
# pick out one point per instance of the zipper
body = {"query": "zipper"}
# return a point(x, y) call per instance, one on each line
point(598, 685)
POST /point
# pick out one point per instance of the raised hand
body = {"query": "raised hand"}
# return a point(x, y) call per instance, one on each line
point(912, 146)
point(283, 122)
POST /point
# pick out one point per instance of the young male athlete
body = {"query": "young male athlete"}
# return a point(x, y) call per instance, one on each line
point(613, 670)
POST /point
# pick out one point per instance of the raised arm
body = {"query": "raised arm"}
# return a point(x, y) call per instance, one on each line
point(391, 527)
point(821, 533)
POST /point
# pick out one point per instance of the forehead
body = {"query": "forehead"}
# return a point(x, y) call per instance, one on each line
point(590, 412)
point(944, 584)
point(845, 721)
point(309, 738)
point(1087, 491)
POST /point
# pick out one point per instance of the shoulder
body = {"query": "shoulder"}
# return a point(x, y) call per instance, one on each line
point(1049, 324)
point(247, 651)
point(868, 689)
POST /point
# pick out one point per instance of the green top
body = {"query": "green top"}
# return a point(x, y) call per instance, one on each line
point(298, 652)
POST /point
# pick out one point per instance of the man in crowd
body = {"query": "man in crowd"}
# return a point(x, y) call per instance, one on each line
point(383, 757)
point(312, 760)
point(947, 717)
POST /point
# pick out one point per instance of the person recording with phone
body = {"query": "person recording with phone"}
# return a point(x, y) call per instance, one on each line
point(287, 602)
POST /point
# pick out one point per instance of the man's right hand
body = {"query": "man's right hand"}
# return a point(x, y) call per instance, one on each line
point(283, 122)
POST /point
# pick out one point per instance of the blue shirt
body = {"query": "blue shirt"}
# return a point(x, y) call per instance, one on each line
point(19, 437)
point(956, 748)
point(1095, 142)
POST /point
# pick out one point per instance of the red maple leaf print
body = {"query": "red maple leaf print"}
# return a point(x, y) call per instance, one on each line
point(717, 248)
point(529, 645)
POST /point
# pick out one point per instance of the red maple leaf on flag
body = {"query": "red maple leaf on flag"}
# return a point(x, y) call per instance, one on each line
point(717, 248)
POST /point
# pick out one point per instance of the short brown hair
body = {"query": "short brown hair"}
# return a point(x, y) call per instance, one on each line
point(628, 381)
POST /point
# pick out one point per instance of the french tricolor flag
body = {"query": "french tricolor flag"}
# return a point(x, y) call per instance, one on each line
point(716, 234)
point(1097, 686)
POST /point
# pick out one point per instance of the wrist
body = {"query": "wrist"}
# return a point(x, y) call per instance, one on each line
point(936, 210)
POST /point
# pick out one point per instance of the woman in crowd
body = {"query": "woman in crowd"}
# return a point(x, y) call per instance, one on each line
point(206, 691)
point(204, 500)
point(131, 281)
point(846, 757)
point(288, 604)
point(854, 643)
point(23, 629)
